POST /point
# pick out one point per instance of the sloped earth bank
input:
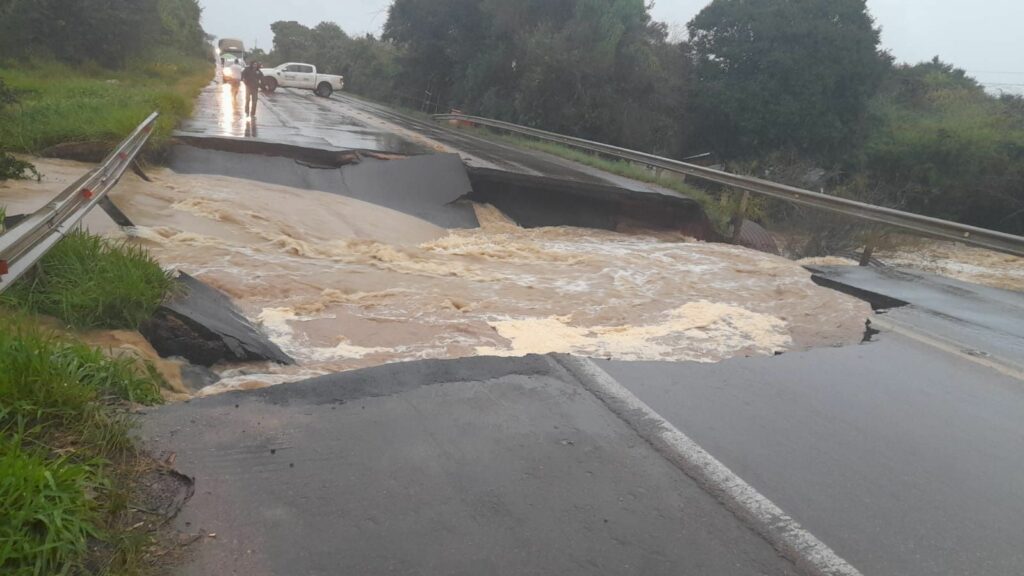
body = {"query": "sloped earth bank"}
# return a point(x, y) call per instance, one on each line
point(341, 284)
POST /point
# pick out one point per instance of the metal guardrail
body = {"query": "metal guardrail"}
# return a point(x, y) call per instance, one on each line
point(935, 227)
point(26, 243)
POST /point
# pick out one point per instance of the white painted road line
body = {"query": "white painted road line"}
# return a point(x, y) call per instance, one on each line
point(810, 555)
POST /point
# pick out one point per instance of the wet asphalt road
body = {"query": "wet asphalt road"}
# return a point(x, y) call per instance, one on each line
point(984, 322)
point(904, 457)
point(343, 122)
point(482, 466)
point(287, 117)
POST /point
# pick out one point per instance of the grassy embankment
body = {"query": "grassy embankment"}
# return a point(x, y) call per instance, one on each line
point(58, 103)
point(68, 467)
point(66, 455)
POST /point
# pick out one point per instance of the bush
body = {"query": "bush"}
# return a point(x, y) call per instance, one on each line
point(13, 169)
point(10, 167)
point(90, 282)
point(943, 147)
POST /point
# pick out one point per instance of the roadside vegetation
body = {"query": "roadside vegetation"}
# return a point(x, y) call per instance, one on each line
point(779, 88)
point(66, 456)
point(91, 282)
point(71, 479)
point(90, 72)
point(69, 470)
point(60, 103)
point(12, 168)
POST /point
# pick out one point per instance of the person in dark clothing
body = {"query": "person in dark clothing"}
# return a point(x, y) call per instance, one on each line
point(251, 77)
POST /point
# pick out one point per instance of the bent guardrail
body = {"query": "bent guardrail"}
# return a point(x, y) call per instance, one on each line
point(26, 243)
point(935, 227)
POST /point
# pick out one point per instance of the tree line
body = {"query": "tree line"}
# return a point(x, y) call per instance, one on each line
point(772, 84)
point(108, 33)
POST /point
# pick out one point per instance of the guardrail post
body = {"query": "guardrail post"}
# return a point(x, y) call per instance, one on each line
point(869, 251)
point(740, 216)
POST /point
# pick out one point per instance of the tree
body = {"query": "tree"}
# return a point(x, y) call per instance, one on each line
point(107, 32)
point(435, 38)
point(595, 68)
point(292, 41)
point(784, 74)
point(942, 146)
point(180, 21)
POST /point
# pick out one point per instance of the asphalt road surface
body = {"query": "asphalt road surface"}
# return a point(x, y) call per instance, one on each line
point(343, 122)
point(981, 321)
point(483, 466)
point(903, 458)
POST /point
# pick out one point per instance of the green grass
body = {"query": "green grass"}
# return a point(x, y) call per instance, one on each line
point(48, 513)
point(717, 213)
point(64, 445)
point(49, 379)
point(48, 516)
point(90, 282)
point(59, 103)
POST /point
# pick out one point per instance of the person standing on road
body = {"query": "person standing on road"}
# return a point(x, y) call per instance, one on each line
point(252, 77)
point(234, 76)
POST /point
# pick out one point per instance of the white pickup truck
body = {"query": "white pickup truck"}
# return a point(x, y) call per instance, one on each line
point(298, 75)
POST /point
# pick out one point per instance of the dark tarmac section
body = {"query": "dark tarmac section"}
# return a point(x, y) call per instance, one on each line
point(903, 458)
point(973, 319)
point(480, 466)
point(202, 325)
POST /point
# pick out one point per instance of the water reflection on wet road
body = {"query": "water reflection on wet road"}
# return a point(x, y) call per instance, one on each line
point(292, 117)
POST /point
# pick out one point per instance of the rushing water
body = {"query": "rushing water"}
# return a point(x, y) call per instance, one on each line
point(341, 284)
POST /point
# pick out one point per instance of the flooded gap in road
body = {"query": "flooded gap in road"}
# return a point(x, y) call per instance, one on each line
point(341, 284)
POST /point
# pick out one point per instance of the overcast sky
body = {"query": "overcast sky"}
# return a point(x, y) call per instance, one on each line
point(985, 37)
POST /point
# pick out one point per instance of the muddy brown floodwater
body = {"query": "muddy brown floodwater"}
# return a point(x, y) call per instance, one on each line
point(341, 284)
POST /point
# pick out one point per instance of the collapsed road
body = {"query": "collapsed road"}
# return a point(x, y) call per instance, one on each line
point(897, 455)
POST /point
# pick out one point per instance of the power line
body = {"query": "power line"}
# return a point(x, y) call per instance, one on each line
point(995, 72)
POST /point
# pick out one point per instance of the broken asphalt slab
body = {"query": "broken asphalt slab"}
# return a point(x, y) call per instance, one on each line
point(202, 325)
point(427, 186)
point(538, 201)
point(476, 466)
point(970, 318)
